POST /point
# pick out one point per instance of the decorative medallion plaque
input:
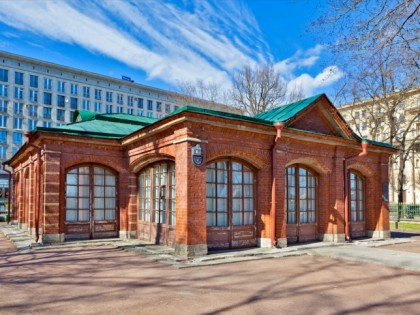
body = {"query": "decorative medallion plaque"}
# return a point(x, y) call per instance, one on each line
point(197, 155)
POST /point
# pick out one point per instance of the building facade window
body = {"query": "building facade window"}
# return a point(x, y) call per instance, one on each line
point(46, 124)
point(158, 106)
point(356, 199)
point(73, 89)
point(46, 113)
point(18, 108)
point(98, 94)
point(19, 78)
point(61, 86)
point(3, 121)
point(17, 123)
point(98, 107)
point(90, 190)
point(229, 194)
point(86, 91)
point(4, 75)
point(33, 81)
point(3, 151)
point(32, 124)
point(3, 106)
point(17, 138)
point(130, 100)
point(108, 108)
point(109, 97)
point(33, 96)
point(119, 109)
point(150, 115)
point(139, 103)
point(47, 98)
point(157, 186)
point(130, 111)
point(73, 103)
point(61, 114)
point(3, 137)
point(120, 99)
point(86, 105)
point(167, 108)
point(3, 90)
point(300, 195)
point(149, 105)
point(19, 93)
point(140, 113)
point(33, 110)
point(47, 84)
point(61, 101)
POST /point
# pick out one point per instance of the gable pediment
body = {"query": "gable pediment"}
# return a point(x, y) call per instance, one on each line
point(321, 117)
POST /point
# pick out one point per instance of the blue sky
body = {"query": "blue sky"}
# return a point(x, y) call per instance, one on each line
point(161, 42)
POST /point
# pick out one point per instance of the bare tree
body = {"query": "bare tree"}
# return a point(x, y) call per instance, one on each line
point(359, 29)
point(259, 89)
point(378, 92)
point(199, 89)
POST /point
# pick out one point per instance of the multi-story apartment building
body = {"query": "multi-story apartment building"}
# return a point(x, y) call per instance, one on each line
point(38, 93)
point(394, 120)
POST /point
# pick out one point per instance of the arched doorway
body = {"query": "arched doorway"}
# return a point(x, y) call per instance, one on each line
point(357, 205)
point(230, 205)
point(157, 211)
point(90, 203)
point(301, 204)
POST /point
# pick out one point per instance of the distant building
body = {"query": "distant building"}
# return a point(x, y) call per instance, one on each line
point(373, 119)
point(35, 93)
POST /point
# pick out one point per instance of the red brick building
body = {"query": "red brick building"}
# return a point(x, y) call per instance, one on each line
point(202, 179)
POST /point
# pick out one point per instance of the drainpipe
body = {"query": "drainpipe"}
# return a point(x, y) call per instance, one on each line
point(38, 181)
point(279, 127)
point(346, 189)
point(9, 177)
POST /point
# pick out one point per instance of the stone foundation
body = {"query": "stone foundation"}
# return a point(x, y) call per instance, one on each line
point(281, 242)
point(379, 234)
point(336, 238)
point(189, 251)
point(264, 242)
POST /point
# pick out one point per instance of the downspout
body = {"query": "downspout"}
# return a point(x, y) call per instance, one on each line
point(279, 127)
point(346, 189)
point(9, 175)
point(38, 181)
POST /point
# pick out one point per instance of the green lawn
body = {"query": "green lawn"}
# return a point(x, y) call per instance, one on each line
point(406, 226)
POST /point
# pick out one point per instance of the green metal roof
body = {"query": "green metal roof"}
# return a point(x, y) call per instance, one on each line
point(216, 113)
point(111, 126)
point(286, 112)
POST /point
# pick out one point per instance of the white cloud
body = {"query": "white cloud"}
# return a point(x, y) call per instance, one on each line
point(324, 79)
point(195, 40)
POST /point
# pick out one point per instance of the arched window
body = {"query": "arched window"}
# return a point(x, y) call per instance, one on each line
point(229, 194)
point(356, 197)
point(89, 183)
point(300, 195)
point(157, 193)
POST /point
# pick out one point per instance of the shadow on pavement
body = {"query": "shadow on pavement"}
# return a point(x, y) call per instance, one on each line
point(403, 234)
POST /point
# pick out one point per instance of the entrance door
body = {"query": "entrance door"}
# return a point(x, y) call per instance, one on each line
point(356, 206)
point(157, 211)
point(230, 206)
point(301, 205)
point(90, 203)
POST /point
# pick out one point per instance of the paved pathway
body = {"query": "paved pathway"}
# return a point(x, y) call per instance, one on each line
point(372, 251)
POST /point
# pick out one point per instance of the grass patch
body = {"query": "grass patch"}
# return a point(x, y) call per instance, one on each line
point(406, 226)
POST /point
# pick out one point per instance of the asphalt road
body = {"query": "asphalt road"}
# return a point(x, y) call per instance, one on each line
point(106, 280)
